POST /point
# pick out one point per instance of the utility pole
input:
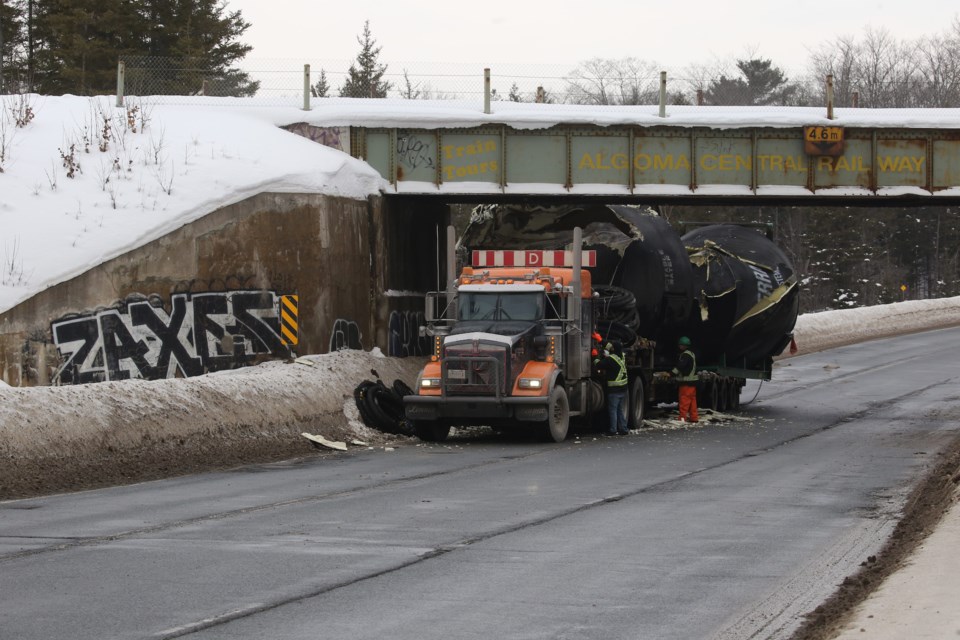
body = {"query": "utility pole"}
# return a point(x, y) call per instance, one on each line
point(2, 92)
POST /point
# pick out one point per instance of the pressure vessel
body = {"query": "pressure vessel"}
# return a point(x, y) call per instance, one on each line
point(746, 296)
point(727, 287)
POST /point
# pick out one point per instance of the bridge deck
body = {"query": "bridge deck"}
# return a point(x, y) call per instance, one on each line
point(722, 153)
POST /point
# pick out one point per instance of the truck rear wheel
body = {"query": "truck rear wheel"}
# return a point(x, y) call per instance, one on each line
point(638, 404)
point(558, 415)
point(431, 431)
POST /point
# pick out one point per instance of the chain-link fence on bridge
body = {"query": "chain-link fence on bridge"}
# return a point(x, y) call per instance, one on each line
point(281, 82)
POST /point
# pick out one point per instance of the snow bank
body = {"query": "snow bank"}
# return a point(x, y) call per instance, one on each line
point(314, 393)
point(829, 329)
point(136, 176)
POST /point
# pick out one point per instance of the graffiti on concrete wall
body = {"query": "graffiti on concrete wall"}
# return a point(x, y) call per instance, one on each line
point(330, 136)
point(199, 332)
point(345, 335)
point(404, 334)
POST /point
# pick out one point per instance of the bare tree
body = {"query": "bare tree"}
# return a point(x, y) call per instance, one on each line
point(840, 60)
point(604, 82)
point(885, 70)
point(410, 90)
point(938, 66)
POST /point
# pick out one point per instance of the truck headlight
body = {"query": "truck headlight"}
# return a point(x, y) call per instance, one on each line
point(429, 383)
point(531, 383)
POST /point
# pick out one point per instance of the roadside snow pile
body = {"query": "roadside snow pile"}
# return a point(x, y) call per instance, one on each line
point(829, 329)
point(83, 181)
point(312, 394)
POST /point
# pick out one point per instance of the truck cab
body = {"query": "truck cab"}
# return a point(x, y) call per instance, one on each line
point(510, 344)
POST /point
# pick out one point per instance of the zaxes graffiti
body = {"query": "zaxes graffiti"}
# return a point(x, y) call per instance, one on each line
point(201, 332)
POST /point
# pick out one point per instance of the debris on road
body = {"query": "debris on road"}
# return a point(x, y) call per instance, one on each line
point(320, 441)
point(707, 417)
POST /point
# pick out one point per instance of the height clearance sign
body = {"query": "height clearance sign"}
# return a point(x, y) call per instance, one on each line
point(823, 141)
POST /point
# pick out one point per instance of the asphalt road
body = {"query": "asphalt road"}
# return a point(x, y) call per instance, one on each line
point(728, 531)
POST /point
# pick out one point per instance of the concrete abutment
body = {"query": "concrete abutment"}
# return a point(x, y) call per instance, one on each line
point(271, 276)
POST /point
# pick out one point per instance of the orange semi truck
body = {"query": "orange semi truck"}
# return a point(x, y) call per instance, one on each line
point(513, 333)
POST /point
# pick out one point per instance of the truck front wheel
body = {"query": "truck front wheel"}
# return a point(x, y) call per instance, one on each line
point(558, 415)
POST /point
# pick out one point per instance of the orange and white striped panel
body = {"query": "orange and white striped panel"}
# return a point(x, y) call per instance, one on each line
point(531, 258)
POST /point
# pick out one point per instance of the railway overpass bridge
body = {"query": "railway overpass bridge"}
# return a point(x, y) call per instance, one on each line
point(694, 155)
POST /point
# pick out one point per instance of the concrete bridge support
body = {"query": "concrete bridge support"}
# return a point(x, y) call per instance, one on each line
point(272, 276)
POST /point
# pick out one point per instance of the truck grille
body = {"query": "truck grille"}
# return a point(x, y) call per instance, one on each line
point(477, 374)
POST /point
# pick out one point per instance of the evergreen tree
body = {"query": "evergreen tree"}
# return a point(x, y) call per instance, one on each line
point(766, 83)
point(200, 41)
point(726, 91)
point(365, 77)
point(77, 44)
point(760, 84)
point(514, 95)
point(322, 88)
point(11, 40)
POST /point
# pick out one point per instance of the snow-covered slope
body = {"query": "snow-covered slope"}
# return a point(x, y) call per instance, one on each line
point(84, 181)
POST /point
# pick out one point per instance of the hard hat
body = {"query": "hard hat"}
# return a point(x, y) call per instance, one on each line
point(684, 340)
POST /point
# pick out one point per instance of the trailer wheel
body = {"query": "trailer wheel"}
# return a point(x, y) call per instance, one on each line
point(431, 430)
point(558, 415)
point(723, 395)
point(734, 396)
point(710, 393)
point(638, 404)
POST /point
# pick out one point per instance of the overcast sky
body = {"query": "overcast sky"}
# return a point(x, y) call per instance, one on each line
point(673, 34)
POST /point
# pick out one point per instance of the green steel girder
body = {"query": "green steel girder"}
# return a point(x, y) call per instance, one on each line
point(662, 161)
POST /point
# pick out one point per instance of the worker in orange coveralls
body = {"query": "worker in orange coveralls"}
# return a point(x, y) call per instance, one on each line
point(686, 374)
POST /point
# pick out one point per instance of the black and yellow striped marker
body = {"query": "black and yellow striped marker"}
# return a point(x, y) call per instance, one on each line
point(289, 330)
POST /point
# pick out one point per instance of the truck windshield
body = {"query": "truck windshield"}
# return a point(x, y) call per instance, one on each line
point(501, 306)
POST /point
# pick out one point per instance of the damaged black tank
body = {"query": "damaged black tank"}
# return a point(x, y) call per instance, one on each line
point(747, 295)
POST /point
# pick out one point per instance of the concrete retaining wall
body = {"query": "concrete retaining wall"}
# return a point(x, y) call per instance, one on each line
point(212, 294)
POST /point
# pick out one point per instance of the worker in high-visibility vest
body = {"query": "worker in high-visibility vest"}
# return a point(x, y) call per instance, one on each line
point(686, 375)
point(613, 369)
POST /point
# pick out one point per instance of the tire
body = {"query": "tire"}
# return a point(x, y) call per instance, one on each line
point(723, 395)
point(359, 396)
point(431, 431)
point(636, 404)
point(711, 395)
point(401, 388)
point(385, 409)
point(734, 396)
point(558, 416)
